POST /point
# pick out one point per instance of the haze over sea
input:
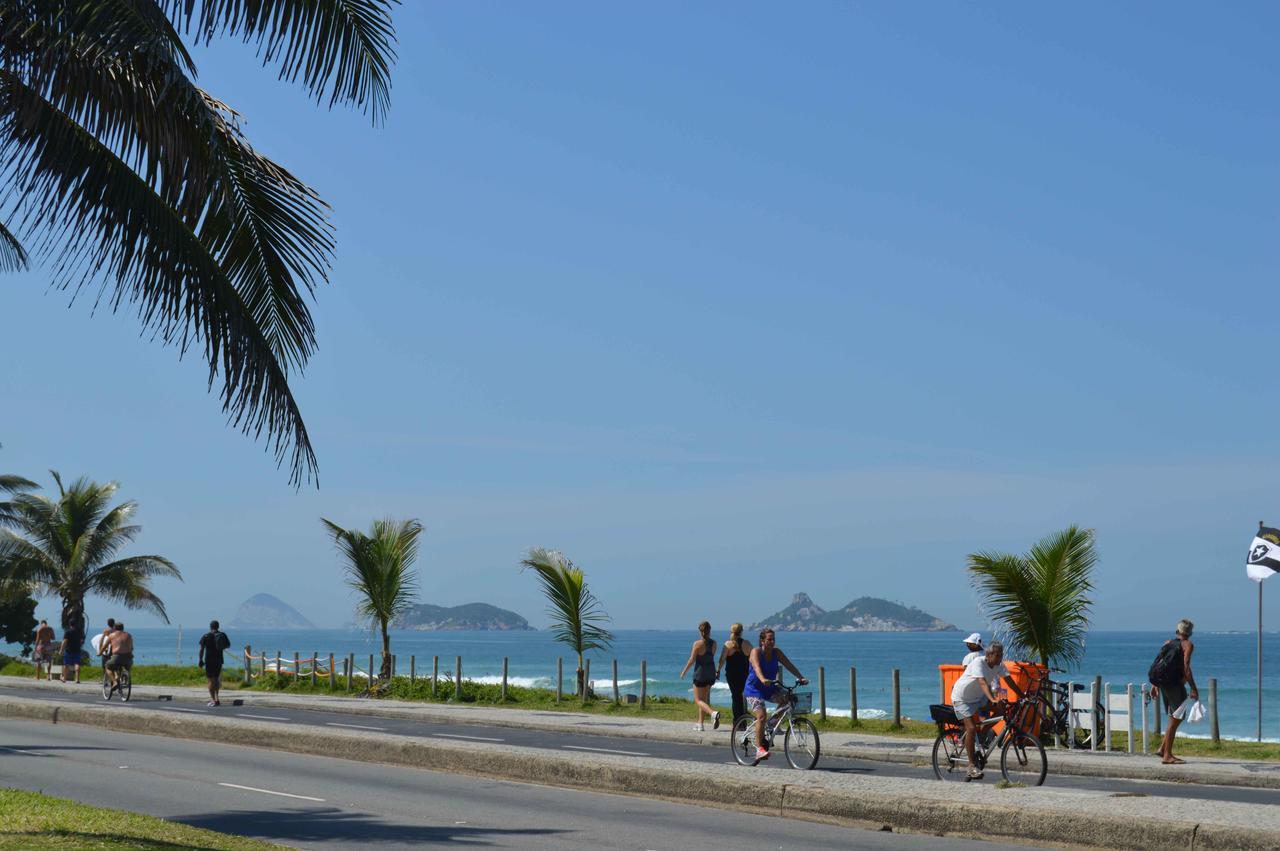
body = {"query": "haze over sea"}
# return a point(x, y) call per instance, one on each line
point(1118, 657)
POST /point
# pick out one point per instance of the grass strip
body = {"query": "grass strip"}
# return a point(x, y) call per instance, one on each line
point(31, 821)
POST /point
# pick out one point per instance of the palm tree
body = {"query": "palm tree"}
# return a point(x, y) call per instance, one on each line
point(66, 547)
point(379, 569)
point(1040, 602)
point(122, 174)
point(576, 616)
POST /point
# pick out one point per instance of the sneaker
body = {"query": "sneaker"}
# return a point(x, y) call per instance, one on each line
point(761, 753)
point(211, 703)
point(715, 720)
point(698, 728)
point(974, 774)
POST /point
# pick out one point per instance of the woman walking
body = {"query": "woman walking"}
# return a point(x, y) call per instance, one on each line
point(735, 663)
point(702, 658)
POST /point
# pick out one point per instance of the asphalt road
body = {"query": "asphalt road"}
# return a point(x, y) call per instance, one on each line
point(318, 802)
point(631, 746)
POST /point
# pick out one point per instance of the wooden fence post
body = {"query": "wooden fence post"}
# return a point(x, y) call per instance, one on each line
point(853, 697)
point(822, 693)
point(559, 678)
point(457, 679)
point(413, 670)
point(393, 667)
point(586, 681)
point(435, 673)
point(644, 681)
point(1213, 712)
point(897, 699)
point(295, 666)
point(331, 672)
point(616, 701)
point(314, 655)
point(504, 679)
point(350, 664)
point(248, 664)
point(279, 669)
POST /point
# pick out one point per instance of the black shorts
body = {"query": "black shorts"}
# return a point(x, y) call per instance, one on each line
point(212, 672)
point(703, 683)
point(1173, 696)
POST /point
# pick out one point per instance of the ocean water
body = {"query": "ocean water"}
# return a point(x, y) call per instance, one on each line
point(1118, 657)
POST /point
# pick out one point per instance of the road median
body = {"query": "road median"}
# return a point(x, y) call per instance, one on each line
point(1041, 816)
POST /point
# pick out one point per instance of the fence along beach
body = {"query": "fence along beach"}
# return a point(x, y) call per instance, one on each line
point(1119, 658)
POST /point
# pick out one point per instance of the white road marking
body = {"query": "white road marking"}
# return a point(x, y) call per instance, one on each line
point(263, 717)
point(181, 709)
point(269, 792)
point(28, 753)
point(604, 750)
point(472, 738)
point(353, 726)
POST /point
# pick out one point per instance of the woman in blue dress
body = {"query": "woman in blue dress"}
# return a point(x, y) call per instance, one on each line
point(765, 660)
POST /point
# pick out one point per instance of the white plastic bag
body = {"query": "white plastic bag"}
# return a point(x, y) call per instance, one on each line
point(1191, 711)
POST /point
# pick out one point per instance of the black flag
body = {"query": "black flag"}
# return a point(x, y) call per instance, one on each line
point(1264, 554)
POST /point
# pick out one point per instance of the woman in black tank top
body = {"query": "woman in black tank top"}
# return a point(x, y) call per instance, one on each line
point(735, 661)
point(702, 658)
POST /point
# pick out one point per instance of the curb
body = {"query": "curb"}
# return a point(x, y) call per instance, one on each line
point(1088, 824)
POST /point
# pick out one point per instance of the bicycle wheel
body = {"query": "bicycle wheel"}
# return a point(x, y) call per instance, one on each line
point(1083, 735)
point(949, 760)
point(743, 740)
point(801, 744)
point(1022, 760)
point(106, 685)
point(126, 685)
point(1049, 722)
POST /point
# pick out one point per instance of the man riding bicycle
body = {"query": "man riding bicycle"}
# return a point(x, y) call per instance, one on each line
point(120, 647)
point(759, 688)
point(973, 692)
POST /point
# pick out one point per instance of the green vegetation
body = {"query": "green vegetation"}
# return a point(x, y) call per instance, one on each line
point(132, 182)
point(30, 821)
point(577, 620)
point(379, 568)
point(66, 547)
point(1040, 601)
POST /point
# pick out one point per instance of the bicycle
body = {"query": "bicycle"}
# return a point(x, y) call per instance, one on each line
point(123, 684)
point(800, 740)
point(1022, 757)
point(1056, 715)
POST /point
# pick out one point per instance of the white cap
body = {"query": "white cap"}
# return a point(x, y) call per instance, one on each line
point(975, 638)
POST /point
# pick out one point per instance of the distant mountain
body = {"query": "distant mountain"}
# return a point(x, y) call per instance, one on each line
point(425, 616)
point(865, 614)
point(266, 611)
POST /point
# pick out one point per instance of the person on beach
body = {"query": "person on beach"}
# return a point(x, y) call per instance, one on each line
point(72, 653)
point(1174, 695)
point(735, 662)
point(100, 644)
point(43, 654)
point(974, 691)
point(702, 658)
point(760, 687)
point(974, 643)
point(212, 643)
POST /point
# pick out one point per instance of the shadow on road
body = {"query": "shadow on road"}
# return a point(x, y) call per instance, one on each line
point(26, 746)
point(330, 823)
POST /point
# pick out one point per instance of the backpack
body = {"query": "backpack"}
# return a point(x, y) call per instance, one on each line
point(1166, 670)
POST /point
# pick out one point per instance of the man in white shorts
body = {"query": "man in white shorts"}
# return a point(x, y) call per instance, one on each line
point(973, 692)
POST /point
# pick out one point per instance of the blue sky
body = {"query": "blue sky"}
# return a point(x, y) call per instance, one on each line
point(738, 300)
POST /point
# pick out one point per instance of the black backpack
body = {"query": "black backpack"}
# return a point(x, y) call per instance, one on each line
point(1166, 670)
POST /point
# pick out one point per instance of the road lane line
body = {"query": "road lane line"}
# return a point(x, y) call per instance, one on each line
point(181, 709)
point(603, 750)
point(472, 738)
point(353, 726)
point(28, 753)
point(269, 792)
point(263, 717)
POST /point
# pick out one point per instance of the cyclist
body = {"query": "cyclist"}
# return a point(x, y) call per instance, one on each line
point(120, 649)
point(973, 692)
point(765, 660)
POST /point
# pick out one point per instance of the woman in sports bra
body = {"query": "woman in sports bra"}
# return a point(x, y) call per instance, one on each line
point(702, 658)
point(765, 660)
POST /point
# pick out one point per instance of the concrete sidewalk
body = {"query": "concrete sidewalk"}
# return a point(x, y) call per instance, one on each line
point(1200, 770)
point(1042, 816)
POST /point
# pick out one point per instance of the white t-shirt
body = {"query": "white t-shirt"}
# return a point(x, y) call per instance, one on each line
point(968, 689)
point(969, 657)
point(96, 643)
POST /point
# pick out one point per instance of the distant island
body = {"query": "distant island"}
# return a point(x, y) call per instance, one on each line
point(425, 616)
point(267, 611)
point(865, 614)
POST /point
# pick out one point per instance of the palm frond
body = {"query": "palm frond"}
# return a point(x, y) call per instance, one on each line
point(340, 47)
point(577, 618)
point(12, 484)
point(13, 257)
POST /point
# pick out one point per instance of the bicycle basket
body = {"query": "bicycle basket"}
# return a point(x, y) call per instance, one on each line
point(802, 702)
point(944, 715)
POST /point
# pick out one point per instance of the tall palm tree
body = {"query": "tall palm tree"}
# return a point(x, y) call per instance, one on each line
point(576, 616)
point(67, 547)
point(122, 174)
point(1040, 602)
point(379, 568)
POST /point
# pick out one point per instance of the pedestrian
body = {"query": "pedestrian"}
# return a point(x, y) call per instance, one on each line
point(72, 652)
point(1173, 687)
point(43, 654)
point(100, 644)
point(702, 658)
point(735, 662)
point(212, 643)
point(974, 643)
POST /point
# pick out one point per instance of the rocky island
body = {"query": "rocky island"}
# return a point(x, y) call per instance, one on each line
point(865, 614)
point(425, 616)
point(267, 611)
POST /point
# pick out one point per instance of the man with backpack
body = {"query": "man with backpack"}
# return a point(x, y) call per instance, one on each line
point(212, 643)
point(1171, 673)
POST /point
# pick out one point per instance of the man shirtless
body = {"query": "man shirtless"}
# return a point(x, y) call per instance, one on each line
point(120, 645)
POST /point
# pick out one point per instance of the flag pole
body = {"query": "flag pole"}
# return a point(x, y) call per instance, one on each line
point(1259, 653)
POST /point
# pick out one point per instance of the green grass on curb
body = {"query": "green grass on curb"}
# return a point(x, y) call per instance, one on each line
point(30, 821)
